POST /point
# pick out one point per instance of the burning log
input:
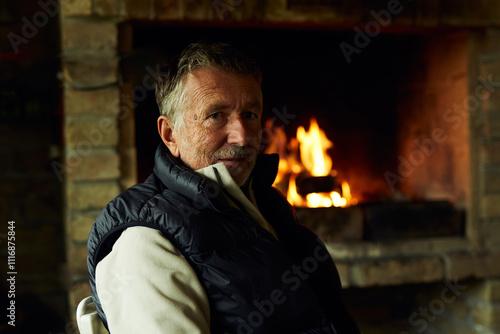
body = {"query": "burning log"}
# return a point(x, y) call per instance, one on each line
point(307, 184)
point(309, 181)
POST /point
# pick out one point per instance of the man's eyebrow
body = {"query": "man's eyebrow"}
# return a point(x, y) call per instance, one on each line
point(216, 107)
point(256, 105)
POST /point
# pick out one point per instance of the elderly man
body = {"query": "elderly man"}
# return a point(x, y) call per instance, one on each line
point(206, 244)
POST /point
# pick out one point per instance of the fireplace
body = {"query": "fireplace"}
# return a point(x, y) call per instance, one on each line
point(396, 116)
point(412, 112)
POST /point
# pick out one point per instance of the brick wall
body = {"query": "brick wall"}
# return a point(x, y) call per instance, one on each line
point(487, 121)
point(432, 136)
point(91, 130)
point(30, 192)
point(99, 140)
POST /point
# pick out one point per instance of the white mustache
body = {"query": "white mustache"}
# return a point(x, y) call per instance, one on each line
point(235, 152)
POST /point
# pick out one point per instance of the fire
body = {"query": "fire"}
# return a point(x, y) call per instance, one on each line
point(325, 200)
point(292, 196)
point(318, 200)
point(311, 146)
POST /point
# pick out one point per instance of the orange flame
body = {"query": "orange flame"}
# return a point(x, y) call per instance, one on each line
point(292, 196)
point(312, 148)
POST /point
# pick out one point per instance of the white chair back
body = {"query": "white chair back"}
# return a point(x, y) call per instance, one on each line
point(88, 321)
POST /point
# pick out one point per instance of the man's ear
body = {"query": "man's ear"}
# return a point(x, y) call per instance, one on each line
point(166, 130)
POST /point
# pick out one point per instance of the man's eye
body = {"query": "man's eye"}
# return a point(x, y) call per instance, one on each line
point(250, 115)
point(215, 115)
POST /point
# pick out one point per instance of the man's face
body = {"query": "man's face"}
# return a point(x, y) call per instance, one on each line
point(221, 122)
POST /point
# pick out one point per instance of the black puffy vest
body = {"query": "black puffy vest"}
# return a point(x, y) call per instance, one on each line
point(254, 283)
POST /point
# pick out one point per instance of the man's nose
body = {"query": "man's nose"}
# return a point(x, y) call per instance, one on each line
point(237, 132)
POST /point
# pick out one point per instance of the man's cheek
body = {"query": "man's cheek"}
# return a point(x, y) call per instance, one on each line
point(255, 141)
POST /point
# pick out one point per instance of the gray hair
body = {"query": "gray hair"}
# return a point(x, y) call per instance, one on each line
point(170, 94)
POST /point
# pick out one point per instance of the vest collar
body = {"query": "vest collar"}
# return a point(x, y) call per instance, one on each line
point(183, 180)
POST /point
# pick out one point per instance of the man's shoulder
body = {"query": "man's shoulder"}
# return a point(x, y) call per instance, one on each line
point(131, 201)
point(149, 186)
point(146, 189)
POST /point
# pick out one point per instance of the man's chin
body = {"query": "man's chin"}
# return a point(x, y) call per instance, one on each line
point(240, 175)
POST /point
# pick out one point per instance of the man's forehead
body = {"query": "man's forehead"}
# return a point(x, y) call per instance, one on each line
point(215, 76)
point(221, 106)
point(213, 84)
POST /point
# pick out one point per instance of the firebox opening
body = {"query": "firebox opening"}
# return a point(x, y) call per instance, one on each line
point(396, 114)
